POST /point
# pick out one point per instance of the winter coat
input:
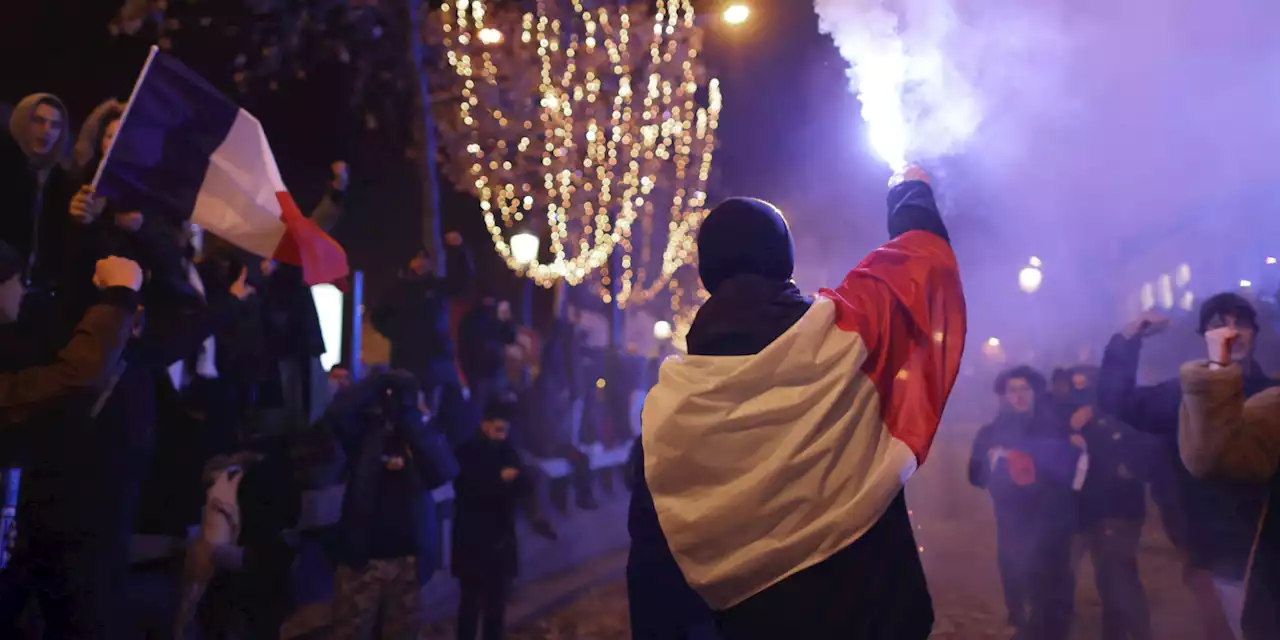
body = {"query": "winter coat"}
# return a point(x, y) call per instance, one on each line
point(1031, 484)
point(1223, 435)
point(88, 463)
point(874, 587)
point(80, 370)
point(484, 510)
point(1221, 516)
point(1119, 460)
point(37, 193)
point(482, 344)
point(414, 316)
point(364, 436)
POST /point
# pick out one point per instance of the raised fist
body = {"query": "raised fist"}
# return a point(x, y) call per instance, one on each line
point(1146, 325)
point(115, 271)
point(1219, 342)
point(913, 173)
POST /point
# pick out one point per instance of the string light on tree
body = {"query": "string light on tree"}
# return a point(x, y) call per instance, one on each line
point(595, 124)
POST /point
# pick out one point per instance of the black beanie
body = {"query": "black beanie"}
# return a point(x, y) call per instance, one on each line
point(744, 236)
point(10, 262)
point(500, 407)
point(1228, 304)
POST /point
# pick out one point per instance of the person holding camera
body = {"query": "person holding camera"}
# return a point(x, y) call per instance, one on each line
point(388, 531)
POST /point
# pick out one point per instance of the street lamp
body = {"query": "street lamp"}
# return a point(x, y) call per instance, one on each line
point(524, 248)
point(1030, 278)
point(737, 14)
point(489, 36)
point(662, 330)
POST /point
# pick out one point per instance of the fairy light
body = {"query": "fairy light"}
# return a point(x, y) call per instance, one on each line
point(589, 119)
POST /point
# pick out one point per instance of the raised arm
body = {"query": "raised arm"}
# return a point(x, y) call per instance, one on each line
point(1151, 409)
point(93, 351)
point(331, 206)
point(1222, 435)
point(906, 302)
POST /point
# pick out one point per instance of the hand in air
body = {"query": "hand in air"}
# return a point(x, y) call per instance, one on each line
point(509, 474)
point(115, 271)
point(912, 173)
point(1146, 325)
point(1219, 342)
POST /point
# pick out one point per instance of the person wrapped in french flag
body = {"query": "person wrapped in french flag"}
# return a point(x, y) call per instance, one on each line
point(186, 151)
point(769, 497)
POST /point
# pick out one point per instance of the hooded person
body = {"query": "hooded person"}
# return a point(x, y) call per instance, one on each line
point(36, 189)
point(769, 499)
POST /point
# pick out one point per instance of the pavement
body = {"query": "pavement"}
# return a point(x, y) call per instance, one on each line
point(955, 527)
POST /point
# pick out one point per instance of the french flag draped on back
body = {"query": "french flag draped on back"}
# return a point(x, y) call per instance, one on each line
point(761, 466)
point(186, 151)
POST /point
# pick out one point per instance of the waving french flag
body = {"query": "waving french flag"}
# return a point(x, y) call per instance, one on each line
point(186, 151)
point(762, 466)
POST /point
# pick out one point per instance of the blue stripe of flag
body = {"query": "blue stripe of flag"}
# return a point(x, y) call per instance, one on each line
point(176, 120)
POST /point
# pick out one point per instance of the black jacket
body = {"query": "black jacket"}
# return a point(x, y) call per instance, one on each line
point(873, 589)
point(484, 525)
point(482, 343)
point(414, 316)
point(1221, 517)
point(1119, 458)
point(364, 436)
point(1044, 508)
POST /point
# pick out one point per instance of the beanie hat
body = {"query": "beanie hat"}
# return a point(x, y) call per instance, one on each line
point(744, 236)
point(1228, 304)
point(500, 407)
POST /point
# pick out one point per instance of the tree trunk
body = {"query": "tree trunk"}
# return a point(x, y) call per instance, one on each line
point(425, 126)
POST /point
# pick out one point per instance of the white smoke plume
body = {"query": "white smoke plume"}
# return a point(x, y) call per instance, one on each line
point(916, 100)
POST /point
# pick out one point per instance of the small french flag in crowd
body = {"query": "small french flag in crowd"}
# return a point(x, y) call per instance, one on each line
point(185, 150)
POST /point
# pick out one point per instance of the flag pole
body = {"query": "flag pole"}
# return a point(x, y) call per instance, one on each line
point(124, 116)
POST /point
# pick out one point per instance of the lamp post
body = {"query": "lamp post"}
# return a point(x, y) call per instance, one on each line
point(662, 330)
point(524, 248)
point(736, 14)
point(1030, 278)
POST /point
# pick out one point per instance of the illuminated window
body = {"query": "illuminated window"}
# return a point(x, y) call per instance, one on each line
point(329, 301)
point(1147, 297)
point(1188, 300)
point(1183, 276)
point(1166, 291)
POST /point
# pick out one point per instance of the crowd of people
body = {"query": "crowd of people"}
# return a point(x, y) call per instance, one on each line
point(158, 381)
point(744, 525)
point(1068, 464)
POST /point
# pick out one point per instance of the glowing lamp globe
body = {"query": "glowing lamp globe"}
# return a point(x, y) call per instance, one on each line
point(662, 330)
point(489, 36)
point(737, 14)
point(524, 248)
point(1029, 279)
